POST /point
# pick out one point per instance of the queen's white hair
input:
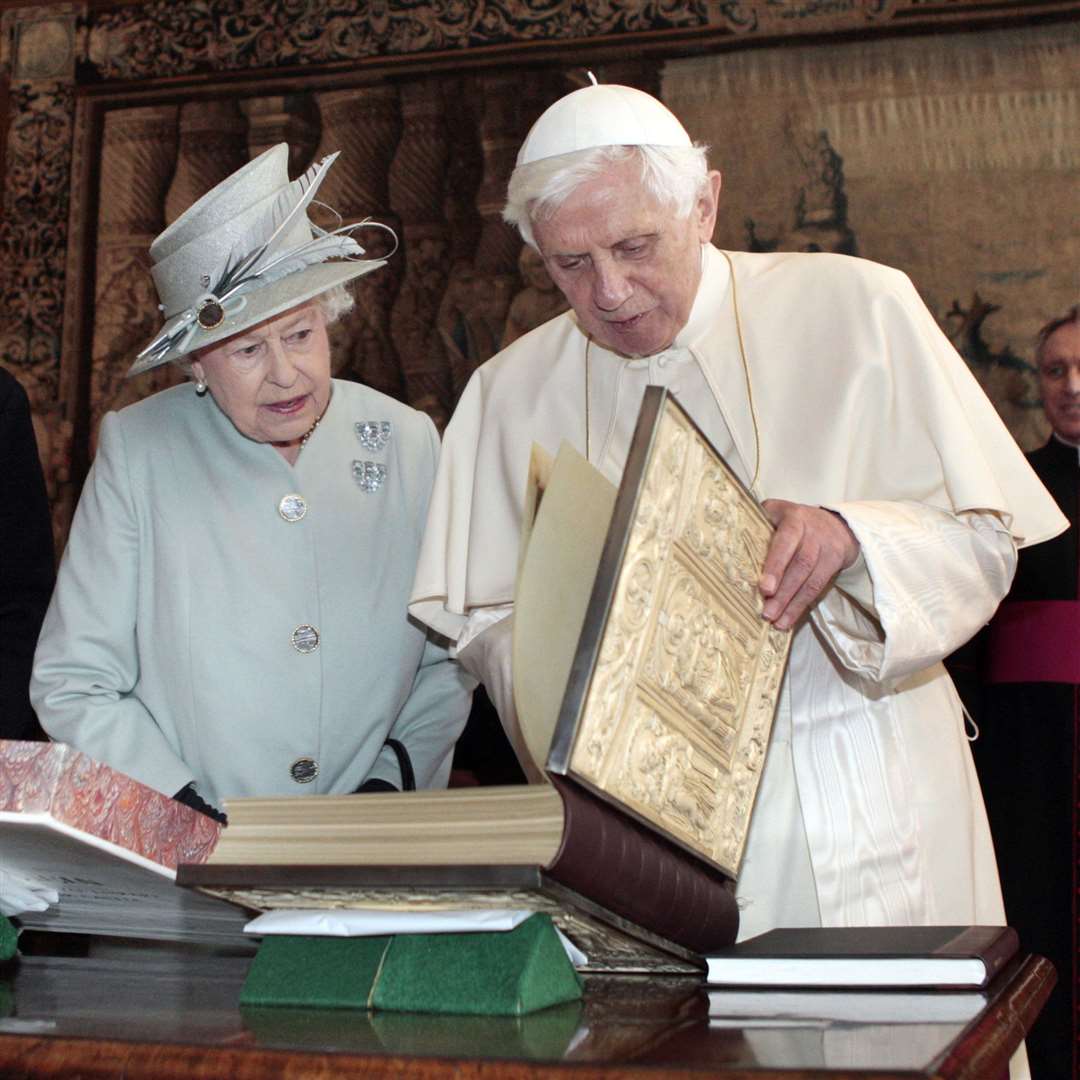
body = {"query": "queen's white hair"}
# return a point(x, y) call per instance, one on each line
point(673, 175)
point(336, 302)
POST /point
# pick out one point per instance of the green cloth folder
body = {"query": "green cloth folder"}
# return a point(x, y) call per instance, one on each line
point(321, 972)
point(508, 973)
point(9, 939)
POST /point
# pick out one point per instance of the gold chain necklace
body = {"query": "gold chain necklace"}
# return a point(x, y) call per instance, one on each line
point(746, 371)
point(588, 342)
point(311, 431)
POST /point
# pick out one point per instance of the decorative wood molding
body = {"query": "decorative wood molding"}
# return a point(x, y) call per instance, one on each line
point(769, 19)
point(163, 38)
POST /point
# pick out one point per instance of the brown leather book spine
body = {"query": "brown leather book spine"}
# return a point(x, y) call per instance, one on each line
point(994, 945)
point(637, 874)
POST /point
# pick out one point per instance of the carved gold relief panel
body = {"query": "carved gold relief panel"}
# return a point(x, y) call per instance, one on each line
point(679, 709)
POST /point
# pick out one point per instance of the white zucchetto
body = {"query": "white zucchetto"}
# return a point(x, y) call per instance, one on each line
point(601, 115)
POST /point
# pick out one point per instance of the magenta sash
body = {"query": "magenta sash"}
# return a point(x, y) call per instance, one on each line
point(1035, 641)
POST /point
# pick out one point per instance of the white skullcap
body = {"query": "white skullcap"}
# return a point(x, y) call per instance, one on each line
point(601, 116)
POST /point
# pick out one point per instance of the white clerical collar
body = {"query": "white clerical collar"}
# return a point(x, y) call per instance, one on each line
point(670, 356)
point(711, 298)
point(1071, 446)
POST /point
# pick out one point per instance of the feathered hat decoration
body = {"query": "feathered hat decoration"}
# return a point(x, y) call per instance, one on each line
point(246, 251)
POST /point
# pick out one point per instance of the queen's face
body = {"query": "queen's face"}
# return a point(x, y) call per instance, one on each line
point(1059, 381)
point(628, 266)
point(273, 379)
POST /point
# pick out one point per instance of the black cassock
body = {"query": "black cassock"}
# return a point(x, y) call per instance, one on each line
point(1026, 705)
point(27, 569)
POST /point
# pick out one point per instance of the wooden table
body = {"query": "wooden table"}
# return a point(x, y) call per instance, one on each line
point(156, 1014)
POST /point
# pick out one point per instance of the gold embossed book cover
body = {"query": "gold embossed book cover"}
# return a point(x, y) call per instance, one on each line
point(671, 685)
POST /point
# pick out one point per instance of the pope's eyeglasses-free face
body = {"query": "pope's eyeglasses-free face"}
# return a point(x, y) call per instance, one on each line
point(628, 266)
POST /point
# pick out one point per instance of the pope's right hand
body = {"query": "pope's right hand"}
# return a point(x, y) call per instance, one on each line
point(20, 892)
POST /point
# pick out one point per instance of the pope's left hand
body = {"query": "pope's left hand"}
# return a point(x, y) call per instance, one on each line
point(809, 548)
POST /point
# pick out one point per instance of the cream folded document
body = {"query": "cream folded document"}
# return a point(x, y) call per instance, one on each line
point(372, 922)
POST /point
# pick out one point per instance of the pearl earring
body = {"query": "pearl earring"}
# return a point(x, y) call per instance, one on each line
point(200, 387)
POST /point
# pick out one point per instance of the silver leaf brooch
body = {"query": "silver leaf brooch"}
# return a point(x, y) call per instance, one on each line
point(369, 475)
point(374, 435)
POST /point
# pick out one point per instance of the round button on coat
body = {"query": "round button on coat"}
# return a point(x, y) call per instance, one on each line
point(305, 639)
point(304, 770)
point(292, 507)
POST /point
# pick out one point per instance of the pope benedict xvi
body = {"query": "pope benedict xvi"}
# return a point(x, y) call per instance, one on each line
point(898, 496)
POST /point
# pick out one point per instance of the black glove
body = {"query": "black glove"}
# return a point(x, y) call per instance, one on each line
point(373, 783)
point(408, 779)
point(190, 797)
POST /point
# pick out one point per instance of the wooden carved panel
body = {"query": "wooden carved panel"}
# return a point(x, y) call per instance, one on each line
point(140, 171)
point(365, 125)
point(418, 191)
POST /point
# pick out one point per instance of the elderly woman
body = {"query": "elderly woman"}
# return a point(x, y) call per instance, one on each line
point(230, 615)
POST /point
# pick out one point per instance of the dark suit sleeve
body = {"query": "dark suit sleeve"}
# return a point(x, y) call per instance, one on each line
point(27, 568)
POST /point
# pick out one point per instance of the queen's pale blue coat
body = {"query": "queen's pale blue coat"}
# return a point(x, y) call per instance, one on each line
point(167, 650)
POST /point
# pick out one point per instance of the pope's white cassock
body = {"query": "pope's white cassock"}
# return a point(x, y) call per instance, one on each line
point(869, 810)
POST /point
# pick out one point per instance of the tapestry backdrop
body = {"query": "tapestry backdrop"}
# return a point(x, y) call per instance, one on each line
point(955, 158)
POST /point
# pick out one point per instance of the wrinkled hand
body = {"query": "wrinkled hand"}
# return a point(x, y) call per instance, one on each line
point(21, 892)
point(809, 548)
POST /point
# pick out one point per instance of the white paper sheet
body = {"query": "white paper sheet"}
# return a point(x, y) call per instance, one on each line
point(370, 922)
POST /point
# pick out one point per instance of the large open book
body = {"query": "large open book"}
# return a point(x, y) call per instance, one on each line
point(646, 681)
point(108, 845)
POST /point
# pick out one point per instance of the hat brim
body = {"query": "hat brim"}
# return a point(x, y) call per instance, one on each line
point(264, 303)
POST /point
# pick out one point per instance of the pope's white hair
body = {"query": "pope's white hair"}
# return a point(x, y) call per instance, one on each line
point(673, 175)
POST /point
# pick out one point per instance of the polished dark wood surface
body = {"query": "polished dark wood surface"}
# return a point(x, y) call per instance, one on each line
point(154, 1013)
